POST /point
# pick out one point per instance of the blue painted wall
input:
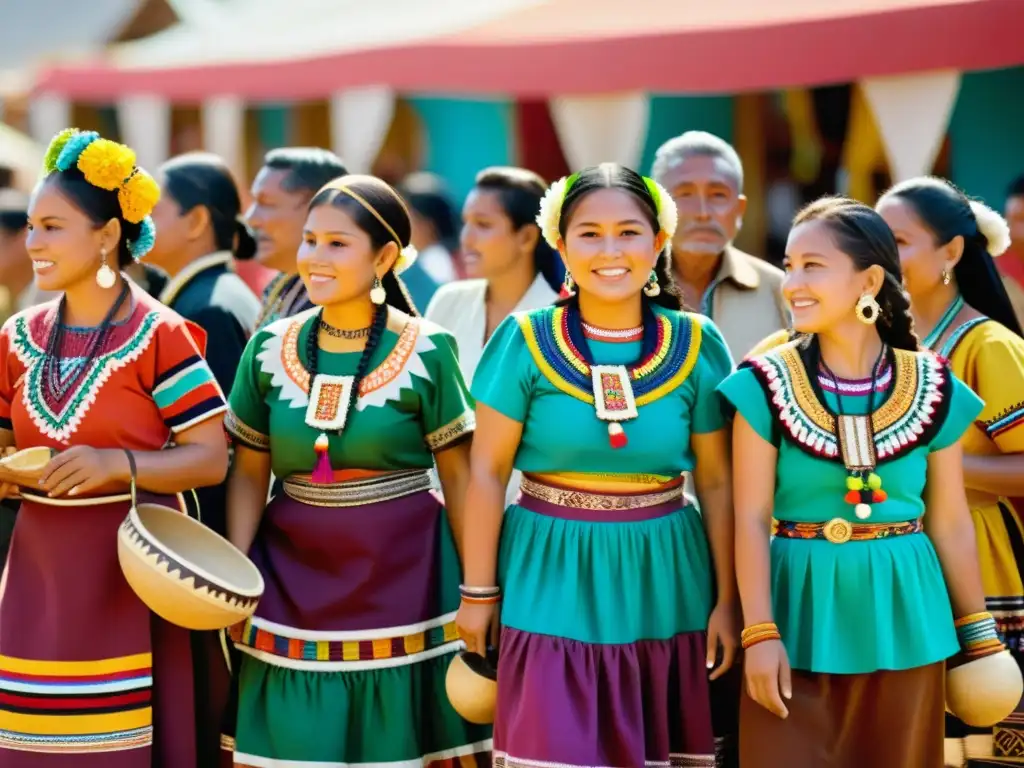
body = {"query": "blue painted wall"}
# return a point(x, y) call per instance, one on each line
point(464, 136)
point(671, 115)
point(987, 133)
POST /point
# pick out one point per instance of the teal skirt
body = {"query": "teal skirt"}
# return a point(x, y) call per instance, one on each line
point(861, 606)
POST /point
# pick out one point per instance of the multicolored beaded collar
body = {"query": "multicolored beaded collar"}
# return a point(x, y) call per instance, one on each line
point(910, 416)
point(615, 391)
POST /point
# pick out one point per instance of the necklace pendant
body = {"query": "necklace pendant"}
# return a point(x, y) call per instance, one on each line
point(328, 402)
point(613, 400)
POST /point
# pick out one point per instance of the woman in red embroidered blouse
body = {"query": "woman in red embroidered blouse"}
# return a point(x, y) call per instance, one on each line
point(86, 671)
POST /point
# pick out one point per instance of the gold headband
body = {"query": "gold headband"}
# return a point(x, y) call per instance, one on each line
point(336, 184)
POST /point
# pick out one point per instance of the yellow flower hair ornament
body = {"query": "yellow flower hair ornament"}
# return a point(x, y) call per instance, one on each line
point(107, 165)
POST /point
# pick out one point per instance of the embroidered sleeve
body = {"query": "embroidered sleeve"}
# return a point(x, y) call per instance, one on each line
point(184, 389)
point(10, 369)
point(715, 364)
point(447, 406)
point(964, 408)
point(743, 393)
point(248, 419)
point(502, 379)
point(997, 375)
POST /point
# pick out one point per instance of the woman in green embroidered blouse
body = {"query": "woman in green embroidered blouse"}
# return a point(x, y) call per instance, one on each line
point(848, 436)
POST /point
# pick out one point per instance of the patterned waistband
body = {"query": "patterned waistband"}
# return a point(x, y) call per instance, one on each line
point(840, 531)
point(590, 506)
point(330, 651)
point(355, 493)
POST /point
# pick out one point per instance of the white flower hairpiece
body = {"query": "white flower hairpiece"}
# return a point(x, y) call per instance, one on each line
point(993, 227)
point(551, 209)
point(406, 258)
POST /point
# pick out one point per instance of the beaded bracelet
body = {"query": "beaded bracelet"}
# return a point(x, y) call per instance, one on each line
point(480, 595)
point(759, 633)
point(978, 636)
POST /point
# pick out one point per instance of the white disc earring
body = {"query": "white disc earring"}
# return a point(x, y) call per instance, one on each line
point(105, 276)
point(377, 294)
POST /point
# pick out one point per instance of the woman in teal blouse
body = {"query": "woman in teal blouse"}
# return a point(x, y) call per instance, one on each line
point(849, 436)
point(610, 613)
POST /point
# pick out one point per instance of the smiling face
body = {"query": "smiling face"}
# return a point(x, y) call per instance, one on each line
point(490, 245)
point(276, 217)
point(337, 260)
point(63, 243)
point(709, 204)
point(822, 284)
point(610, 245)
point(921, 258)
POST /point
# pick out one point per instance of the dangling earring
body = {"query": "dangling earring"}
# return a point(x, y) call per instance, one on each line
point(867, 309)
point(568, 285)
point(377, 294)
point(652, 288)
point(946, 277)
point(105, 276)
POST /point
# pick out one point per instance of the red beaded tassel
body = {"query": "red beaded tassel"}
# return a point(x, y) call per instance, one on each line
point(322, 471)
point(617, 435)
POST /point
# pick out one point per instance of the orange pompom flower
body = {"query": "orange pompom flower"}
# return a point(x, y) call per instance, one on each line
point(138, 196)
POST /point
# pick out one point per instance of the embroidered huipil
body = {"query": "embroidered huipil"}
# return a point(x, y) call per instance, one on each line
point(412, 402)
point(861, 606)
point(79, 652)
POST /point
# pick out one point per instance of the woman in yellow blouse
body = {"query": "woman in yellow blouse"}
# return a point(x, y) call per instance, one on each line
point(947, 244)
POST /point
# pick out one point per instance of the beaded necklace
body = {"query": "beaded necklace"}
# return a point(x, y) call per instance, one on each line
point(857, 445)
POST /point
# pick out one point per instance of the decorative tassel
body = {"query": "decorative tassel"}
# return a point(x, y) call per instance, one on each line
point(617, 435)
point(322, 471)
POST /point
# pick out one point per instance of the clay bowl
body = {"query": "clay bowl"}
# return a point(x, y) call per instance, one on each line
point(184, 572)
point(25, 467)
point(472, 687)
point(985, 691)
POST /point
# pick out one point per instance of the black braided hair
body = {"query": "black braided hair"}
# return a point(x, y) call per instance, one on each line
point(377, 326)
point(614, 176)
point(864, 236)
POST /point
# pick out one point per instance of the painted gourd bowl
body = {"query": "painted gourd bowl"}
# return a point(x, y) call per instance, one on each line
point(472, 687)
point(184, 572)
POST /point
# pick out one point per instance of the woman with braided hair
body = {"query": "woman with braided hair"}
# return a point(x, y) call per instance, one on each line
point(947, 244)
point(116, 384)
point(849, 435)
point(350, 404)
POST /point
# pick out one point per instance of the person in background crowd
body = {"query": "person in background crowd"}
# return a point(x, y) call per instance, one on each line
point(433, 236)
point(1011, 265)
point(850, 607)
point(740, 292)
point(947, 244)
point(16, 275)
point(616, 594)
point(281, 193)
point(512, 267)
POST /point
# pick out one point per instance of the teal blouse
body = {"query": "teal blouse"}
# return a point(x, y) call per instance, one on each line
point(861, 606)
point(561, 432)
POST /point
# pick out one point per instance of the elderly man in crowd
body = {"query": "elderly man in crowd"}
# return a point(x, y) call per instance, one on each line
point(740, 292)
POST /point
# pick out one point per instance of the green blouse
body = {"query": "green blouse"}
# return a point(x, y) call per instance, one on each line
point(412, 403)
point(863, 605)
point(522, 376)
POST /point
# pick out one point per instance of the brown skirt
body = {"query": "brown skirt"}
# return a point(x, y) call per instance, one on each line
point(883, 719)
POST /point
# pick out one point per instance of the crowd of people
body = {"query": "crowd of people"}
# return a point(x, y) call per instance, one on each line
point(697, 510)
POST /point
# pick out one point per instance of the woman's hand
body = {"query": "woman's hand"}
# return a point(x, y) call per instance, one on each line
point(724, 631)
point(475, 623)
point(81, 469)
point(768, 676)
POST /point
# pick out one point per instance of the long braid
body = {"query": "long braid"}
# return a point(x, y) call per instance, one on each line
point(896, 324)
point(377, 326)
point(669, 298)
